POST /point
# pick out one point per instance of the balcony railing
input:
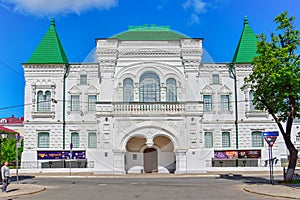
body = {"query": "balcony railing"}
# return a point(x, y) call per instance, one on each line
point(140, 108)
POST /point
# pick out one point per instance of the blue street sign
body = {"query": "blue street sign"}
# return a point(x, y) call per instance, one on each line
point(270, 134)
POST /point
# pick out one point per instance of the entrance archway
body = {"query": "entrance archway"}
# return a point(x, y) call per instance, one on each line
point(148, 152)
point(150, 160)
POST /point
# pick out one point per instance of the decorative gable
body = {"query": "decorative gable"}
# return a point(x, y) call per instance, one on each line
point(225, 90)
point(91, 90)
point(207, 90)
point(74, 90)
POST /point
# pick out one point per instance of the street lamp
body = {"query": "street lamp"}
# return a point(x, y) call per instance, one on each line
point(2, 138)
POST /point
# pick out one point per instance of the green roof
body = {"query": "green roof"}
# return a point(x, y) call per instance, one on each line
point(149, 32)
point(246, 49)
point(50, 49)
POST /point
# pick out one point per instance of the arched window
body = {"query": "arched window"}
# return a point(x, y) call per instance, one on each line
point(75, 140)
point(128, 90)
point(44, 101)
point(171, 90)
point(149, 87)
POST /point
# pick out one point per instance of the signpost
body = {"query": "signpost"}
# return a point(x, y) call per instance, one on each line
point(18, 145)
point(270, 138)
point(71, 157)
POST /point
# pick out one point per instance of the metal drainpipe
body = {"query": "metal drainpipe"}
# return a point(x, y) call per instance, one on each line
point(64, 105)
point(233, 72)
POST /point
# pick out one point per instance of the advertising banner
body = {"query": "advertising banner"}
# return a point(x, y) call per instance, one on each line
point(230, 154)
point(250, 154)
point(234, 154)
point(60, 155)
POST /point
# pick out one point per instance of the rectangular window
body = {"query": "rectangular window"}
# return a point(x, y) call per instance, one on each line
point(208, 137)
point(83, 79)
point(75, 103)
point(207, 102)
point(92, 102)
point(257, 139)
point(225, 139)
point(252, 107)
point(92, 143)
point(225, 105)
point(75, 140)
point(43, 140)
point(134, 157)
point(215, 79)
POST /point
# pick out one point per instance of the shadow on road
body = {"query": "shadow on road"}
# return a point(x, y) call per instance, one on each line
point(244, 179)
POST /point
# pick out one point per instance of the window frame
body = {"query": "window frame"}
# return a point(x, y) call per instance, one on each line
point(171, 90)
point(208, 139)
point(225, 105)
point(43, 143)
point(150, 93)
point(214, 78)
point(92, 142)
point(92, 102)
point(128, 90)
point(43, 101)
point(226, 142)
point(75, 104)
point(254, 140)
point(83, 79)
point(207, 104)
point(75, 139)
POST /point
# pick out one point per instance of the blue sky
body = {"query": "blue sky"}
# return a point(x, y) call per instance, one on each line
point(24, 22)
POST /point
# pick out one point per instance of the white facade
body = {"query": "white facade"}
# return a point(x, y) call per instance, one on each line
point(140, 121)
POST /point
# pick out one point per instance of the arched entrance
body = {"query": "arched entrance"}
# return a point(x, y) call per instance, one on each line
point(150, 160)
point(150, 155)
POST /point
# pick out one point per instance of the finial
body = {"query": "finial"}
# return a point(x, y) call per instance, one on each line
point(245, 20)
point(53, 21)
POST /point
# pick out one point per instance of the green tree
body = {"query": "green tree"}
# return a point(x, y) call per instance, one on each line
point(9, 150)
point(275, 80)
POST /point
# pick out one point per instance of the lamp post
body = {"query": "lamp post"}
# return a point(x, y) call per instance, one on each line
point(232, 74)
point(3, 137)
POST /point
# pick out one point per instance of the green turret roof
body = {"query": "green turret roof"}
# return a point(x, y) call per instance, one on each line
point(149, 32)
point(246, 49)
point(50, 49)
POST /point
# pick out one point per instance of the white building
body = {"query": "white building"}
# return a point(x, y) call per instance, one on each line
point(148, 103)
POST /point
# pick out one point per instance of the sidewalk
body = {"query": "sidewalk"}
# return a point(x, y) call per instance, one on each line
point(21, 189)
point(290, 191)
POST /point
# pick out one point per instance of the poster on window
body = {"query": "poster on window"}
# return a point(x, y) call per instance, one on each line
point(229, 154)
point(249, 153)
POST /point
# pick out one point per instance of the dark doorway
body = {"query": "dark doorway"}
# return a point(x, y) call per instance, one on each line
point(150, 160)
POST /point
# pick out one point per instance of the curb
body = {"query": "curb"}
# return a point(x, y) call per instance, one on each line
point(25, 193)
point(269, 195)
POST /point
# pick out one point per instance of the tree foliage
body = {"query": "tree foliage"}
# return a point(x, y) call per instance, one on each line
point(8, 151)
point(275, 78)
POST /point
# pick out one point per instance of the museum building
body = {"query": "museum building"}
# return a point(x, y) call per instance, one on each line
point(147, 102)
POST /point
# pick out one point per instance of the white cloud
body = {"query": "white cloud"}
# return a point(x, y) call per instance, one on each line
point(54, 7)
point(197, 6)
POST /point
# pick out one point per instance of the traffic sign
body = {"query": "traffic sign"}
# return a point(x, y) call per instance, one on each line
point(271, 140)
point(270, 134)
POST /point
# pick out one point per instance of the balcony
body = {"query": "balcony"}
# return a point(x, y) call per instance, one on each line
point(152, 108)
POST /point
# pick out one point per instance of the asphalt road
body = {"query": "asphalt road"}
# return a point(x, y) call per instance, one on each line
point(183, 188)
